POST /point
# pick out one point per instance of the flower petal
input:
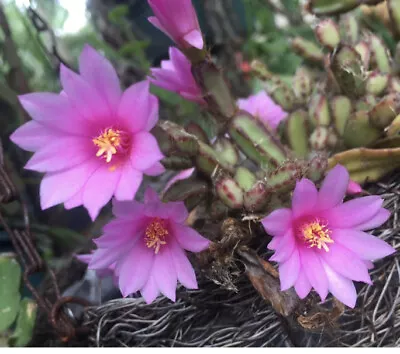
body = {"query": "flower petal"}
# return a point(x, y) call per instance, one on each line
point(145, 151)
point(153, 115)
point(129, 182)
point(75, 201)
point(150, 290)
point(340, 287)
point(195, 39)
point(99, 189)
point(71, 180)
point(364, 245)
point(333, 188)
point(304, 197)
point(183, 267)
point(278, 222)
point(104, 257)
point(312, 267)
point(353, 212)
point(302, 285)
point(164, 273)
point(127, 209)
point(346, 263)
point(135, 268)
point(289, 271)
point(151, 196)
point(379, 219)
point(285, 248)
point(32, 135)
point(188, 238)
point(155, 170)
point(100, 74)
point(136, 107)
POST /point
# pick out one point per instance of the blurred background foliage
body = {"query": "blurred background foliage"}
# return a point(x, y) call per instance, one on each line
point(36, 36)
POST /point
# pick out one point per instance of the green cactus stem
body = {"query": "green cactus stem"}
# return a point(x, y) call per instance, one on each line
point(367, 164)
point(226, 150)
point(196, 130)
point(336, 7)
point(284, 178)
point(341, 108)
point(308, 50)
point(317, 167)
point(256, 141)
point(327, 33)
point(319, 138)
point(296, 133)
point(385, 111)
point(319, 111)
point(245, 178)
point(364, 49)
point(380, 54)
point(394, 128)
point(177, 163)
point(258, 197)
point(186, 188)
point(303, 83)
point(208, 161)
point(349, 29)
point(229, 192)
point(377, 83)
point(394, 13)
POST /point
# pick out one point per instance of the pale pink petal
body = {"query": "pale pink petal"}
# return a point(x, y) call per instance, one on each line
point(55, 111)
point(184, 269)
point(379, 219)
point(195, 39)
point(302, 285)
point(340, 287)
point(156, 23)
point(100, 74)
point(275, 242)
point(333, 188)
point(155, 170)
point(82, 96)
point(346, 263)
point(153, 115)
point(99, 189)
point(354, 212)
point(285, 248)
point(150, 290)
point(289, 271)
point(364, 245)
point(278, 222)
point(135, 268)
point(305, 197)
point(180, 176)
point(61, 153)
point(145, 151)
point(127, 209)
point(50, 192)
point(177, 212)
point(188, 238)
point(104, 257)
point(164, 273)
point(312, 267)
point(75, 201)
point(137, 106)
point(33, 135)
point(151, 196)
point(129, 182)
point(369, 265)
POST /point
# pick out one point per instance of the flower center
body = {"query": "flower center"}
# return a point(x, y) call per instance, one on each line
point(155, 233)
point(109, 142)
point(316, 234)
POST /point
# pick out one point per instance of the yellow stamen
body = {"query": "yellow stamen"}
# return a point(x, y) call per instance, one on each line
point(108, 142)
point(155, 234)
point(317, 234)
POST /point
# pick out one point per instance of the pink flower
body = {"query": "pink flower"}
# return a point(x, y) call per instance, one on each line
point(264, 108)
point(178, 20)
point(145, 247)
point(91, 140)
point(176, 75)
point(320, 242)
point(353, 188)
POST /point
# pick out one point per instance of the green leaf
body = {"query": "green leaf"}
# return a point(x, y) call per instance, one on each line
point(25, 324)
point(10, 278)
point(118, 13)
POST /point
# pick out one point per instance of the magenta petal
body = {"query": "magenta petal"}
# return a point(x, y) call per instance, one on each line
point(177, 212)
point(135, 268)
point(100, 74)
point(278, 222)
point(153, 115)
point(151, 196)
point(346, 263)
point(364, 245)
point(127, 209)
point(145, 151)
point(188, 238)
point(184, 269)
point(275, 242)
point(104, 257)
point(289, 271)
point(304, 197)
point(99, 189)
point(136, 106)
point(54, 111)
point(164, 273)
point(33, 135)
point(379, 219)
point(354, 212)
point(129, 182)
point(85, 98)
point(312, 267)
point(333, 188)
point(195, 39)
point(60, 154)
point(150, 290)
point(302, 285)
point(340, 287)
point(71, 180)
point(155, 170)
point(285, 248)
